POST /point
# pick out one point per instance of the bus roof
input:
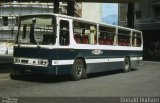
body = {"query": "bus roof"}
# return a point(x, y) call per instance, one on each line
point(80, 19)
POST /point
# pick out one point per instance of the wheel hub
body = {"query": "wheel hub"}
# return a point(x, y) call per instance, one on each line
point(79, 70)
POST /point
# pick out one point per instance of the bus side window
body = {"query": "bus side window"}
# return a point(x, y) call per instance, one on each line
point(124, 37)
point(106, 35)
point(77, 38)
point(64, 33)
point(85, 33)
point(136, 39)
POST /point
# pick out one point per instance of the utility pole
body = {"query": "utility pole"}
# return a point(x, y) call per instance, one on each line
point(130, 15)
point(71, 8)
point(56, 6)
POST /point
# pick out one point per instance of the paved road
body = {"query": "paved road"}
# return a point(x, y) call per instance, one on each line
point(143, 81)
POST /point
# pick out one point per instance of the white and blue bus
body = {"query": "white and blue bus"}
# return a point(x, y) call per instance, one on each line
point(59, 45)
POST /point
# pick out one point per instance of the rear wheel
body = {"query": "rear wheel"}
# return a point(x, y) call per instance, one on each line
point(126, 65)
point(78, 70)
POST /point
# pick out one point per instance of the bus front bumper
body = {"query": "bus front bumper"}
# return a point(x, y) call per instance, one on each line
point(22, 69)
point(55, 70)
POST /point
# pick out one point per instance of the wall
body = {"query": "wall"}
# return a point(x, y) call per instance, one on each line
point(92, 11)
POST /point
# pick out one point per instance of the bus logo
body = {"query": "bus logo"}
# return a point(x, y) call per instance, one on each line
point(97, 52)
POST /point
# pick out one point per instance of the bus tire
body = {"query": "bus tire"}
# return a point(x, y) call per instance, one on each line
point(77, 69)
point(126, 65)
point(84, 73)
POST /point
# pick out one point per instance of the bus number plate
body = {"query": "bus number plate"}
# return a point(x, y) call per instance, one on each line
point(24, 61)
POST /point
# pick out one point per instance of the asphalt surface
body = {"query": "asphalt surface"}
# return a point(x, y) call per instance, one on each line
point(143, 81)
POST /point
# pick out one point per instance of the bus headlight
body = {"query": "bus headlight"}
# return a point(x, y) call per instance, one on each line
point(17, 60)
point(42, 62)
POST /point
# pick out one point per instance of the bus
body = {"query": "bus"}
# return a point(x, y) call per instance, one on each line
point(63, 45)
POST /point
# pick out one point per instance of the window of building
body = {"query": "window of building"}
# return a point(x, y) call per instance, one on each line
point(156, 11)
point(0, 21)
point(5, 21)
point(85, 33)
point(106, 35)
point(138, 14)
point(124, 37)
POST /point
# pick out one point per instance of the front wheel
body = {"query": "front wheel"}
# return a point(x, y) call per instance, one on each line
point(126, 65)
point(78, 69)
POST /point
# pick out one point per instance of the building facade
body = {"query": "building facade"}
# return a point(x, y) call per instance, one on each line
point(147, 19)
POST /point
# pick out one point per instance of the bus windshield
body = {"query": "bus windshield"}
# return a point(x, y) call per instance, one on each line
point(37, 30)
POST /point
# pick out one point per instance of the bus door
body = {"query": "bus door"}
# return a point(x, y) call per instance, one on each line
point(64, 32)
point(64, 52)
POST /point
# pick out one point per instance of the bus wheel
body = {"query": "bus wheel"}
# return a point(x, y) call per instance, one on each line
point(126, 65)
point(84, 73)
point(77, 69)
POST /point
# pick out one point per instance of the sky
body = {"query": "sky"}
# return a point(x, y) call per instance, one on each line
point(109, 9)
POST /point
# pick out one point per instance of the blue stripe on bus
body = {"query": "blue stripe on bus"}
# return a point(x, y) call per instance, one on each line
point(67, 54)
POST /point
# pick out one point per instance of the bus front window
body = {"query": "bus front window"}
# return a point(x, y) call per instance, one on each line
point(37, 31)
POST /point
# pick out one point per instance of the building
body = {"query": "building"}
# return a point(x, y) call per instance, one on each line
point(147, 19)
point(92, 11)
